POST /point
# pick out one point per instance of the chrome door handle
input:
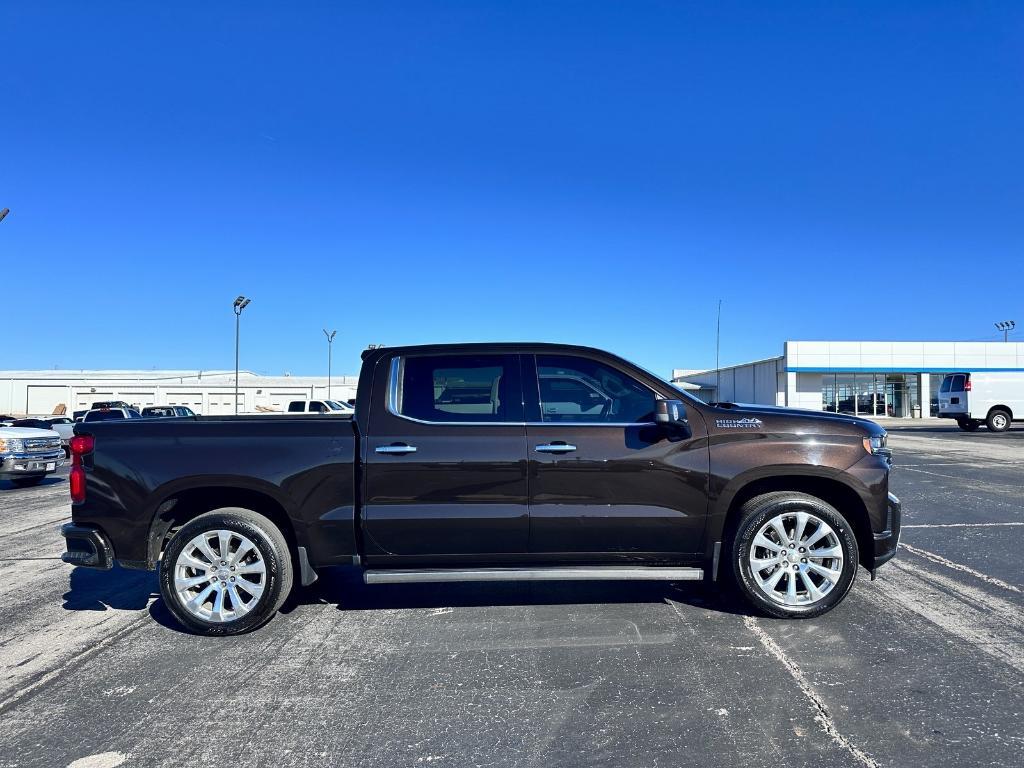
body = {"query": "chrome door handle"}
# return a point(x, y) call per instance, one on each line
point(555, 448)
point(396, 449)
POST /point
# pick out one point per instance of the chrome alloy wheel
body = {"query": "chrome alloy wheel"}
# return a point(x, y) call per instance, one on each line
point(796, 559)
point(219, 576)
point(999, 421)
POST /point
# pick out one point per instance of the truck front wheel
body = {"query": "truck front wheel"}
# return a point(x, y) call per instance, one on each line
point(226, 572)
point(793, 555)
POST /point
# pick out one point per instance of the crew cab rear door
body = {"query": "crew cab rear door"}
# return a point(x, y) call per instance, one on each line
point(606, 481)
point(445, 460)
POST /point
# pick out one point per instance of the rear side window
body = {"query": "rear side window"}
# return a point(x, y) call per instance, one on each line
point(958, 383)
point(946, 384)
point(296, 406)
point(458, 388)
point(576, 389)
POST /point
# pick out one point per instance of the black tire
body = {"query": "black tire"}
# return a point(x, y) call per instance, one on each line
point(272, 548)
point(968, 425)
point(998, 420)
point(27, 482)
point(757, 512)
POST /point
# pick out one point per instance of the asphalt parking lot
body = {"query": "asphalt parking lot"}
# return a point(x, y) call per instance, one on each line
point(924, 666)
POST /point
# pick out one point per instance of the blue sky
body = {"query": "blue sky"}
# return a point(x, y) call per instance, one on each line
point(587, 172)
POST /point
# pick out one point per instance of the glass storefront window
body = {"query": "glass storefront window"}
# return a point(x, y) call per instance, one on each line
point(872, 394)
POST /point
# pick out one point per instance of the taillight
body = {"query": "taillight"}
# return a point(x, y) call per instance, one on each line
point(80, 445)
point(967, 384)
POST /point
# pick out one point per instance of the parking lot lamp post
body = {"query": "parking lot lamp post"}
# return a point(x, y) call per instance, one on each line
point(240, 303)
point(1006, 326)
point(330, 343)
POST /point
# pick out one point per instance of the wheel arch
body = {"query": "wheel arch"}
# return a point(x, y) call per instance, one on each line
point(830, 489)
point(1005, 408)
point(182, 504)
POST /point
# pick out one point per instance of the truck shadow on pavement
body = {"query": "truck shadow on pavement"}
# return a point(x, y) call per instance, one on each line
point(119, 588)
point(7, 485)
point(345, 589)
point(130, 590)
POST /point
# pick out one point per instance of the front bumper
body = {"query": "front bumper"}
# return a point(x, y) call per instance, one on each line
point(28, 464)
point(887, 541)
point(87, 546)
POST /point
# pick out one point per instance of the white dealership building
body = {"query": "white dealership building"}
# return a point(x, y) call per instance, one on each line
point(896, 379)
point(209, 392)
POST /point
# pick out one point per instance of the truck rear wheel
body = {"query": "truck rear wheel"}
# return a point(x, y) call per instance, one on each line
point(226, 572)
point(998, 420)
point(793, 555)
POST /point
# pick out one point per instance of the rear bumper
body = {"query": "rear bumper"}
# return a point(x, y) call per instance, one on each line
point(888, 540)
point(87, 546)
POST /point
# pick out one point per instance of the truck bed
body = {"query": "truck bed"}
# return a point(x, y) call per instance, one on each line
point(144, 472)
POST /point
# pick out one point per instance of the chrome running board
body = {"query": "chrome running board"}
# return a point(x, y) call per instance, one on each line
point(583, 573)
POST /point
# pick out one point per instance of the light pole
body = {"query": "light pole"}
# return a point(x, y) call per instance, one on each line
point(1006, 326)
point(3, 213)
point(330, 343)
point(240, 303)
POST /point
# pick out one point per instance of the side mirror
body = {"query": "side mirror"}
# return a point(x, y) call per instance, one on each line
point(670, 412)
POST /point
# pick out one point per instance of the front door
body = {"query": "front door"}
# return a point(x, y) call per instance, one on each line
point(445, 461)
point(606, 482)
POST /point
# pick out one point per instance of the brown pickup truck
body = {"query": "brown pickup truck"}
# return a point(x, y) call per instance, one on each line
point(485, 462)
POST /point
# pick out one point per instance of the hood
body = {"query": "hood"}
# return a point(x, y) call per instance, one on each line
point(773, 416)
point(26, 432)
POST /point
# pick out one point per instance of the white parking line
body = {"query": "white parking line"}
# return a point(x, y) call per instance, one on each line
point(961, 525)
point(961, 567)
point(823, 717)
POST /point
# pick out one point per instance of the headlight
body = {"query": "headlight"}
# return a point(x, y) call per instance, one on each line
point(12, 445)
point(876, 445)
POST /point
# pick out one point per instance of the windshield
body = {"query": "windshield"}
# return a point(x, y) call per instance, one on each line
point(334, 405)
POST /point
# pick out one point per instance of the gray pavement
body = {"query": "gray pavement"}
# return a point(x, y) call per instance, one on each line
point(924, 666)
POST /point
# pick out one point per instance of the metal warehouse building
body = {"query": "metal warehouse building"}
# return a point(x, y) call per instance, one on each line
point(896, 379)
point(207, 392)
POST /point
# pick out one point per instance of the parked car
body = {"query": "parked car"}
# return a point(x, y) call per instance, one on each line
point(62, 425)
point(995, 399)
point(27, 454)
point(6, 420)
point(166, 411)
point(461, 466)
point(110, 414)
point(78, 415)
point(332, 407)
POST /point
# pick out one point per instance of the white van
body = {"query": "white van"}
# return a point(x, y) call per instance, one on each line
point(973, 399)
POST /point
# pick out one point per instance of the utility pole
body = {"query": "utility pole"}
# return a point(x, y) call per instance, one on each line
point(240, 303)
point(718, 346)
point(3, 213)
point(330, 343)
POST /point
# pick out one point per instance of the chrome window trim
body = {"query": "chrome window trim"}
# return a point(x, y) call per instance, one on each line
point(395, 395)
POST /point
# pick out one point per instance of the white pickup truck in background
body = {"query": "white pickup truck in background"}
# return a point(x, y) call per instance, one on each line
point(331, 407)
point(992, 398)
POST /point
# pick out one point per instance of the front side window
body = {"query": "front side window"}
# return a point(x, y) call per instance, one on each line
point(457, 388)
point(575, 389)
